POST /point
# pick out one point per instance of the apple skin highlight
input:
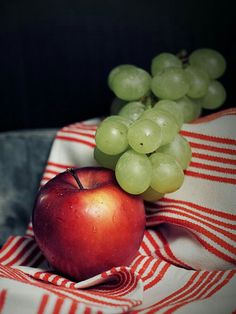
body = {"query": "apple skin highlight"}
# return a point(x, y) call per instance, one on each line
point(84, 232)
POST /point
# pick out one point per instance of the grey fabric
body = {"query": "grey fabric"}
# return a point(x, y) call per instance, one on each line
point(23, 156)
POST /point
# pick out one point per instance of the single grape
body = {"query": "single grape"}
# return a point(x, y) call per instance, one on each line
point(197, 107)
point(118, 118)
point(111, 137)
point(172, 108)
point(117, 70)
point(144, 136)
point(165, 121)
point(164, 60)
point(209, 60)
point(167, 174)
point(105, 160)
point(170, 84)
point(131, 83)
point(133, 172)
point(116, 105)
point(198, 81)
point(180, 149)
point(132, 110)
point(151, 195)
point(187, 107)
point(215, 96)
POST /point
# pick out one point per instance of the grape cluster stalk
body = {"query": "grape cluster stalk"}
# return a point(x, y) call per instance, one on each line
point(141, 139)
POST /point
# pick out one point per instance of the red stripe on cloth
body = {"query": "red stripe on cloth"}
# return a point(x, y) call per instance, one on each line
point(73, 308)
point(87, 310)
point(199, 230)
point(222, 160)
point(69, 139)
point(152, 271)
point(6, 245)
point(217, 288)
point(29, 258)
point(43, 304)
point(21, 253)
point(9, 272)
point(212, 168)
point(144, 246)
point(68, 131)
point(197, 214)
point(209, 138)
point(168, 299)
point(209, 177)
point(12, 250)
point(3, 295)
point(216, 115)
point(48, 171)
point(137, 263)
point(158, 277)
point(214, 282)
point(231, 274)
point(192, 297)
point(213, 148)
point(226, 233)
point(213, 212)
point(59, 165)
point(169, 252)
point(145, 266)
point(158, 252)
point(87, 296)
point(58, 306)
point(38, 261)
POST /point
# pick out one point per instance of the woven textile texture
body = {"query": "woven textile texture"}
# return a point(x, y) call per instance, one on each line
point(187, 260)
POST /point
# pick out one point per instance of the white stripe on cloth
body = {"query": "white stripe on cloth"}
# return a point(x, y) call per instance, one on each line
point(187, 260)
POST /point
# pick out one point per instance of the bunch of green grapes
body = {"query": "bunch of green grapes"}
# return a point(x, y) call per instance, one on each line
point(192, 82)
point(140, 141)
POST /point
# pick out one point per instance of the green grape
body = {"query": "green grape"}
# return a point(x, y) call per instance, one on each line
point(151, 195)
point(197, 107)
point(209, 60)
point(180, 149)
point(167, 174)
point(117, 118)
point(132, 110)
point(198, 81)
point(144, 136)
point(105, 160)
point(133, 172)
point(116, 105)
point(131, 83)
point(215, 96)
point(111, 137)
point(172, 108)
point(117, 70)
point(164, 60)
point(166, 122)
point(187, 107)
point(170, 84)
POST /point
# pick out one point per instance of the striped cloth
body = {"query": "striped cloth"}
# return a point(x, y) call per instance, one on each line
point(187, 260)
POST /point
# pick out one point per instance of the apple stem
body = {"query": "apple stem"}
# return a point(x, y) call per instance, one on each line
point(74, 174)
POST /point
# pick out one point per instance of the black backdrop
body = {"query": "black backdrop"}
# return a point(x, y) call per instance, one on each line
point(55, 55)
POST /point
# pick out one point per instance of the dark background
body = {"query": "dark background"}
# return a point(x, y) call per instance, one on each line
point(55, 55)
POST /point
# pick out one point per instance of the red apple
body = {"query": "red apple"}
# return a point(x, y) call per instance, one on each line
point(84, 223)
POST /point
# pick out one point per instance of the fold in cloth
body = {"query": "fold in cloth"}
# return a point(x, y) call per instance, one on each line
point(187, 260)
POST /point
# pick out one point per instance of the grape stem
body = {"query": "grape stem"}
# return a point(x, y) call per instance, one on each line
point(183, 55)
point(75, 176)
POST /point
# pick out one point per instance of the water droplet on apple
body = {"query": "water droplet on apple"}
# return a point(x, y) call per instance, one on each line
point(94, 229)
